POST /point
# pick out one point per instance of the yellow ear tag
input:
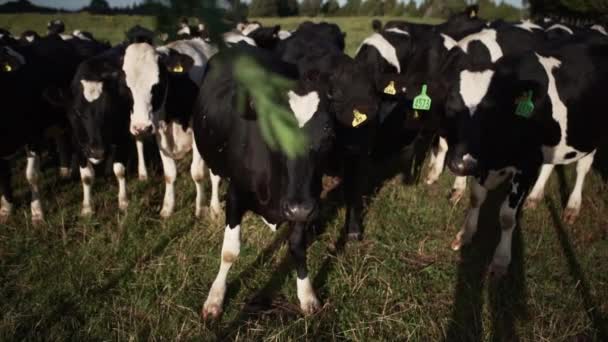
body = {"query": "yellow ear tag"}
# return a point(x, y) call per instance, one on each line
point(178, 69)
point(8, 67)
point(359, 118)
point(390, 88)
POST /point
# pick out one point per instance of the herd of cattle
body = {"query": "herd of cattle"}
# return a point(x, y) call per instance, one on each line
point(505, 101)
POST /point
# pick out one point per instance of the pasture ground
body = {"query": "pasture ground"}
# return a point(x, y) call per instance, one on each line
point(136, 277)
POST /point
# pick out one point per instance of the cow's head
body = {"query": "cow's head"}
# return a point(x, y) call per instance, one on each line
point(266, 37)
point(147, 72)
point(485, 127)
point(55, 27)
point(10, 61)
point(99, 114)
point(302, 183)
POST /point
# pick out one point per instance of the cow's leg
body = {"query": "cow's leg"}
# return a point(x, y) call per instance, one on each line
point(32, 174)
point(520, 184)
point(573, 208)
point(197, 171)
point(437, 161)
point(6, 194)
point(478, 196)
point(120, 173)
point(214, 205)
point(142, 172)
point(231, 248)
point(458, 189)
point(355, 180)
point(538, 191)
point(170, 170)
point(87, 176)
point(65, 154)
point(297, 246)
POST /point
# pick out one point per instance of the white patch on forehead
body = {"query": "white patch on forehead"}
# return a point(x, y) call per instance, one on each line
point(560, 27)
point(303, 107)
point(448, 41)
point(141, 74)
point(78, 33)
point(488, 38)
point(284, 34)
point(15, 54)
point(473, 87)
point(234, 38)
point(397, 30)
point(528, 25)
point(91, 89)
point(386, 49)
point(29, 38)
point(559, 111)
point(66, 36)
point(600, 29)
point(184, 30)
point(248, 28)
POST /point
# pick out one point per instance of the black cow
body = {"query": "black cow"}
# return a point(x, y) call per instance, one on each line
point(263, 180)
point(29, 78)
point(538, 108)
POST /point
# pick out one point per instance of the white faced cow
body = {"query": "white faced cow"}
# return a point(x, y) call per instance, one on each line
point(163, 83)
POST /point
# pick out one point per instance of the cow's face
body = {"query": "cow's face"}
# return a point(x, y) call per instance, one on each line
point(302, 183)
point(146, 72)
point(100, 111)
point(266, 37)
point(484, 129)
point(55, 27)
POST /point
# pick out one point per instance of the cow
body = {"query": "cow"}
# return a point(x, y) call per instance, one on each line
point(99, 115)
point(529, 110)
point(263, 180)
point(162, 86)
point(266, 37)
point(29, 77)
point(29, 36)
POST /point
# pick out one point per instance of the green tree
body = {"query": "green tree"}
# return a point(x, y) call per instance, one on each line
point(264, 8)
point(411, 8)
point(99, 5)
point(330, 8)
point(351, 8)
point(310, 8)
point(288, 8)
point(372, 8)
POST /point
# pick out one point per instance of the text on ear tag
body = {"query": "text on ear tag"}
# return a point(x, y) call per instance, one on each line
point(178, 69)
point(422, 101)
point(390, 88)
point(359, 118)
point(525, 106)
point(8, 67)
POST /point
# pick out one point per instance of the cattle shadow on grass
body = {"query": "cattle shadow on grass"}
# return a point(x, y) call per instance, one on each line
point(506, 298)
point(598, 320)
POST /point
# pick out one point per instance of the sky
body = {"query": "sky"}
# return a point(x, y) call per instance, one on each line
point(77, 4)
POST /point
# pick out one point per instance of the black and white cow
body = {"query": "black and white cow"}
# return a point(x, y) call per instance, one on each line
point(266, 37)
point(499, 137)
point(263, 180)
point(162, 85)
point(29, 76)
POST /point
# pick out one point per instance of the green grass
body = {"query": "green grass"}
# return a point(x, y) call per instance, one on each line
point(136, 277)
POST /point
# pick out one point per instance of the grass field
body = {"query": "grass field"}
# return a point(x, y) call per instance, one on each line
point(135, 277)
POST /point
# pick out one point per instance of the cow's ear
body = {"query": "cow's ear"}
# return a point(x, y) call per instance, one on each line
point(472, 11)
point(391, 85)
point(177, 63)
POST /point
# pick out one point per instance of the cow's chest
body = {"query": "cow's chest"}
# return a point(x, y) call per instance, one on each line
point(174, 140)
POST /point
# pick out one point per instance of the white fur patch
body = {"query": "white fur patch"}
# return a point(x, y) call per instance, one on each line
point(560, 27)
point(303, 107)
point(248, 28)
point(386, 49)
point(78, 33)
point(91, 89)
point(29, 38)
point(272, 227)
point(141, 74)
point(473, 87)
point(600, 29)
point(528, 25)
point(284, 34)
point(66, 36)
point(184, 30)
point(448, 42)
point(488, 38)
point(234, 38)
point(397, 30)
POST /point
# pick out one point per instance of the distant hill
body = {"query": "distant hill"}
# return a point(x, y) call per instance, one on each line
point(24, 6)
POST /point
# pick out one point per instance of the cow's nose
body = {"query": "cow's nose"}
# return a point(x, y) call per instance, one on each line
point(298, 211)
point(142, 129)
point(463, 166)
point(97, 153)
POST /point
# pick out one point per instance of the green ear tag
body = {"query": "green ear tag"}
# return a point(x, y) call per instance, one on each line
point(422, 101)
point(525, 106)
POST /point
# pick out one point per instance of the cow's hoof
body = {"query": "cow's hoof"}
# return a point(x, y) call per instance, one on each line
point(143, 178)
point(4, 217)
point(123, 206)
point(64, 172)
point(37, 220)
point(532, 203)
point(211, 311)
point(86, 212)
point(497, 271)
point(570, 215)
point(355, 236)
point(430, 179)
point(310, 306)
point(165, 213)
point(456, 195)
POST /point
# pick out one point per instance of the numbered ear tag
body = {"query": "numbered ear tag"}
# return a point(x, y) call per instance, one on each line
point(359, 118)
point(422, 101)
point(8, 67)
point(525, 106)
point(390, 88)
point(178, 69)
